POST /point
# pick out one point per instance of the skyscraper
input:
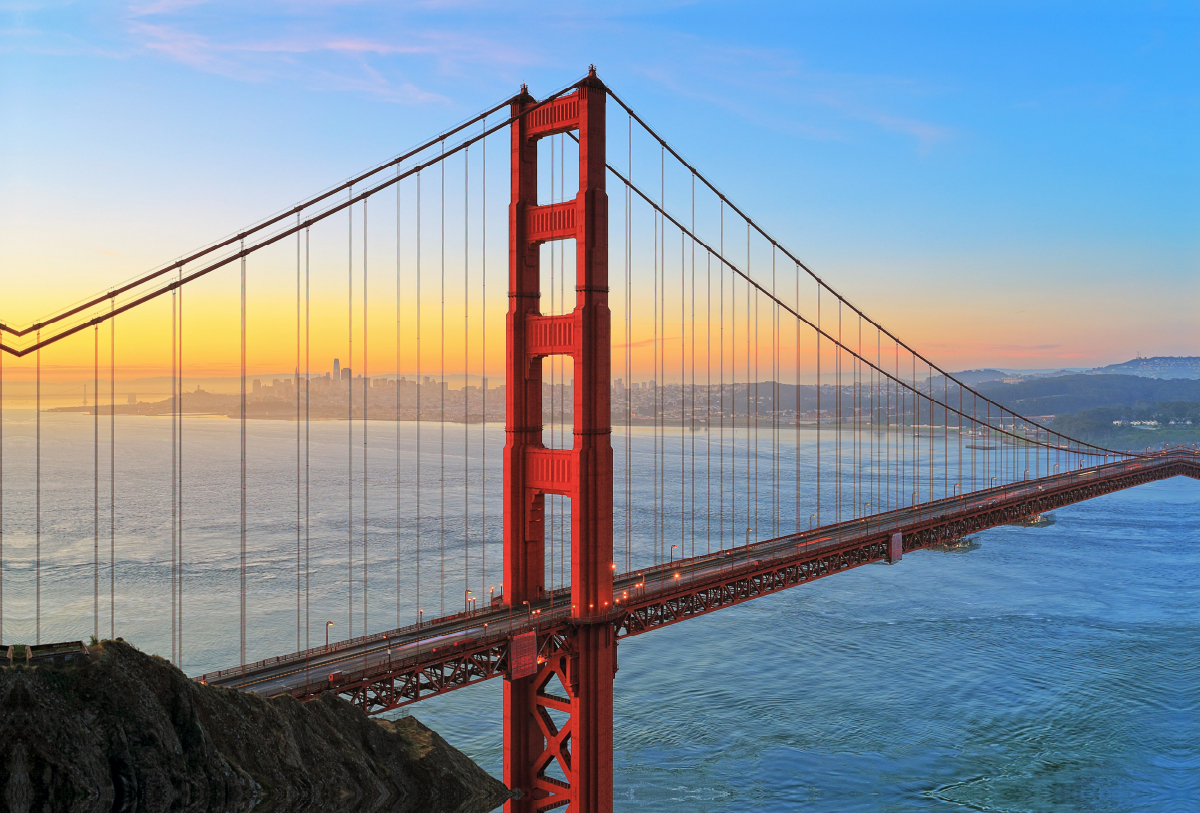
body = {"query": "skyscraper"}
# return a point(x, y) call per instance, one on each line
point(337, 370)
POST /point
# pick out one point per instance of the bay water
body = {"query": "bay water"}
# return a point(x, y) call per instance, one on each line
point(1051, 669)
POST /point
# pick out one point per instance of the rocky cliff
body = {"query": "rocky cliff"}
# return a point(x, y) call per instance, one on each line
point(125, 731)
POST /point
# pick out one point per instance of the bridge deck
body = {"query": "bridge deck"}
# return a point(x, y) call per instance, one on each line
point(395, 668)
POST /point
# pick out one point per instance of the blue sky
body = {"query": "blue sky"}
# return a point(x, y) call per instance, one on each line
point(1010, 184)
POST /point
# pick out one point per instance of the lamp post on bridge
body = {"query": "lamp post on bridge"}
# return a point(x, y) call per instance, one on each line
point(810, 521)
point(328, 624)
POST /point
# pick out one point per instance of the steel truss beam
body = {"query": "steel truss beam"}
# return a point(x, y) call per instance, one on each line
point(445, 669)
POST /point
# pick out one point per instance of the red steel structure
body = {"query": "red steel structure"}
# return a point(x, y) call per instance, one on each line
point(582, 669)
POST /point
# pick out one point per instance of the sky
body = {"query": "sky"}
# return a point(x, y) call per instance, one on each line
point(1007, 184)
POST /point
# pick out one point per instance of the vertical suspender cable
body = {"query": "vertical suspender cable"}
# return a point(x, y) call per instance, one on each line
point(112, 469)
point(721, 402)
point(693, 367)
point(483, 381)
point(466, 372)
point(818, 335)
point(348, 374)
point(837, 374)
point(38, 488)
point(2, 497)
point(179, 475)
point(654, 383)
point(418, 432)
point(755, 381)
point(732, 409)
point(307, 393)
point(799, 337)
point(442, 392)
point(397, 396)
point(929, 383)
point(733, 522)
point(242, 414)
point(708, 401)
point(95, 484)
point(913, 432)
point(776, 369)
point(683, 396)
point(751, 340)
point(660, 347)
point(299, 461)
point(174, 480)
point(901, 451)
point(629, 352)
point(858, 444)
point(366, 399)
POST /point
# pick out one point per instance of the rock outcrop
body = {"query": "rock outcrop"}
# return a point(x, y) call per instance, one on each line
point(125, 731)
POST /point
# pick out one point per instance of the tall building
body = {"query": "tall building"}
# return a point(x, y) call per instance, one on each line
point(337, 369)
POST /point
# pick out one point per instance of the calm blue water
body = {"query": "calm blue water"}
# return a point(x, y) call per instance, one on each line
point(1053, 669)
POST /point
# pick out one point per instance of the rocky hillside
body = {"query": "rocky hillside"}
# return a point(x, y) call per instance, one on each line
point(130, 732)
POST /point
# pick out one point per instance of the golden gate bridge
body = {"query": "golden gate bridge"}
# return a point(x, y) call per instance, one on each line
point(697, 490)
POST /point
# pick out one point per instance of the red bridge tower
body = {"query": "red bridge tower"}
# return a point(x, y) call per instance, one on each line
point(575, 680)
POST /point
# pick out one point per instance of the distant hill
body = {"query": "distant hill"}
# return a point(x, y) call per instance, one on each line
point(1066, 394)
point(1155, 367)
point(972, 377)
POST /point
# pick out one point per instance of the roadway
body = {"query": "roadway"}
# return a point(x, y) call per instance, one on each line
point(321, 667)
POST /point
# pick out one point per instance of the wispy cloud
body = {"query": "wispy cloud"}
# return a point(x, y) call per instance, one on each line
point(777, 89)
point(319, 52)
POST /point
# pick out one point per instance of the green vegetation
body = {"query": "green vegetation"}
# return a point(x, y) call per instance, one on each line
point(1066, 394)
point(1135, 427)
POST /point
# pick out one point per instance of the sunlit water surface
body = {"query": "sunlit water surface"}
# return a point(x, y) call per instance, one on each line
point(1052, 669)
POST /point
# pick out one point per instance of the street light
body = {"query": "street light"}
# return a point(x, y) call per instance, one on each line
point(467, 601)
point(810, 521)
point(328, 624)
point(673, 547)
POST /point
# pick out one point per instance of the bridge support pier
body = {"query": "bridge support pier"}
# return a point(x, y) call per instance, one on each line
point(558, 720)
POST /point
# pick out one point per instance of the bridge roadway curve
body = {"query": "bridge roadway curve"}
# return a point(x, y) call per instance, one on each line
point(390, 669)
